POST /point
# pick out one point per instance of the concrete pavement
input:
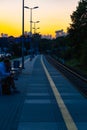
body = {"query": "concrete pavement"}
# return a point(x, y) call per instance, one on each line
point(35, 107)
point(11, 105)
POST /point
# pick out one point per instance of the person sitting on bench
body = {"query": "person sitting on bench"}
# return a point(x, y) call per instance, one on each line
point(8, 82)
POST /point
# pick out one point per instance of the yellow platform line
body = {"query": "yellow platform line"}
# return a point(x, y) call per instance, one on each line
point(70, 124)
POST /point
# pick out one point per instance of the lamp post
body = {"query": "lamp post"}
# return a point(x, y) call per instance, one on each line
point(31, 46)
point(31, 17)
point(35, 26)
point(22, 34)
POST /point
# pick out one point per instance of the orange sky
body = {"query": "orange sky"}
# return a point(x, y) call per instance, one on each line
point(52, 14)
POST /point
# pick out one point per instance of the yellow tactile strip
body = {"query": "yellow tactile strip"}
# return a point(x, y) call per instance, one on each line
point(70, 124)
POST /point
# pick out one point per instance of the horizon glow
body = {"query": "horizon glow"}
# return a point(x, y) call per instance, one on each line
point(53, 15)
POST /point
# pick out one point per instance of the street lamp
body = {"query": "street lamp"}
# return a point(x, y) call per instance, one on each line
point(22, 34)
point(31, 46)
point(35, 26)
point(31, 17)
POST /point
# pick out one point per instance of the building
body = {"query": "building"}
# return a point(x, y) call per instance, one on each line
point(60, 33)
point(46, 36)
point(4, 35)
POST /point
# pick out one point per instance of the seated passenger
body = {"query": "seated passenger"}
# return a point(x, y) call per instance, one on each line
point(8, 78)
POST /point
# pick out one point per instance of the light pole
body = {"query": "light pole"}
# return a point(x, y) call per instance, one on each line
point(31, 45)
point(31, 17)
point(22, 34)
point(36, 29)
point(35, 26)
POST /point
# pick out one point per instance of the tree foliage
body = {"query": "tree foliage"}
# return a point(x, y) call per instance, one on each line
point(78, 27)
point(78, 30)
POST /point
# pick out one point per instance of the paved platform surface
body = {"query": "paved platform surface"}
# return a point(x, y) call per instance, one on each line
point(35, 107)
point(40, 111)
point(75, 102)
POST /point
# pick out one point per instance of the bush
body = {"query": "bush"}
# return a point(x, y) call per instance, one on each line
point(84, 54)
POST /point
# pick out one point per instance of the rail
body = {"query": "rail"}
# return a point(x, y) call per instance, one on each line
point(79, 81)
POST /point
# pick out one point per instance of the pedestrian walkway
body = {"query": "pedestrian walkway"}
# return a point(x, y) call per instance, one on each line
point(11, 105)
point(40, 110)
point(35, 107)
point(74, 101)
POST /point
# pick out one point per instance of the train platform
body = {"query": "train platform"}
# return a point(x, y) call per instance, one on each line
point(47, 101)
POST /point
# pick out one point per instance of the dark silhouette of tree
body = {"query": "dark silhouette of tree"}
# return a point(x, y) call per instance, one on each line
point(78, 31)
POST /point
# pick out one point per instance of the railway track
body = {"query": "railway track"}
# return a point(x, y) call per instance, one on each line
point(79, 81)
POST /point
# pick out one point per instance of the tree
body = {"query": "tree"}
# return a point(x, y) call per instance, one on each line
point(78, 29)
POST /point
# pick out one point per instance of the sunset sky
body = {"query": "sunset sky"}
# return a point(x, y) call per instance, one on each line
point(52, 14)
